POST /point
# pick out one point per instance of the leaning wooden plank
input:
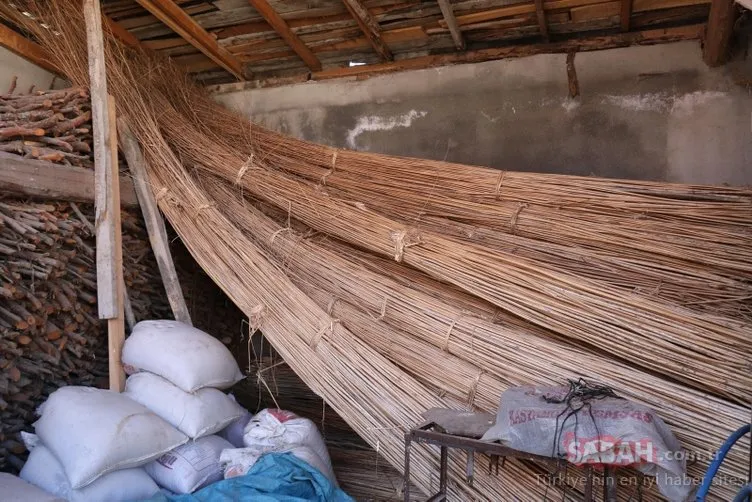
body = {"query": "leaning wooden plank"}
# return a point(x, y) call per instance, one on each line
point(104, 167)
point(45, 180)
point(154, 223)
point(106, 195)
point(116, 325)
point(22, 46)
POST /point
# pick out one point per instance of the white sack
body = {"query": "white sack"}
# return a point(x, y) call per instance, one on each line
point(234, 432)
point(279, 430)
point(238, 461)
point(44, 470)
point(93, 432)
point(197, 414)
point(313, 459)
point(14, 489)
point(611, 431)
point(189, 467)
point(184, 355)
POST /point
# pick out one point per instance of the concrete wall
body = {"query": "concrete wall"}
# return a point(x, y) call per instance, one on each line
point(644, 112)
point(28, 73)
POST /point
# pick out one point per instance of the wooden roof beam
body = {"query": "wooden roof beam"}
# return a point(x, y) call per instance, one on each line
point(626, 14)
point(121, 33)
point(718, 33)
point(542, 24)
point(181, 23)
point(283, 30)
point(370, 27)
point(22, 46)
point(448, 12)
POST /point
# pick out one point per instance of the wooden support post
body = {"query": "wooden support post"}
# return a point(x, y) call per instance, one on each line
point(370, 28)
point(718, 33)
point(626, 14)
point(448, 12)
point(542, 24)
point(154, 223)
point(106, 195)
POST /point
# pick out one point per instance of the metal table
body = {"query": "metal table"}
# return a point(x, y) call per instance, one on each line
point(427, 433)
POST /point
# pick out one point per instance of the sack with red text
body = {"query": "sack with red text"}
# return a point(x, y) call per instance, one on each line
point(589, 424)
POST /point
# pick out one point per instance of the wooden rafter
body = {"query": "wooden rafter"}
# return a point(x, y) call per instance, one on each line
point(719, 30)
point(283, 30)
point(181, 23)
point(22, 46)
point(121, 33)
point(541, 15)
point(370, 27)
point(626, 14)
point(448, 12)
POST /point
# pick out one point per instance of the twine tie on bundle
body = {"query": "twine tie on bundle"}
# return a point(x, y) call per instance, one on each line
point(243, 169)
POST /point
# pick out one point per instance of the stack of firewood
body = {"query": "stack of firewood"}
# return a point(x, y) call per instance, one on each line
point(50, 334)
point(48, 125)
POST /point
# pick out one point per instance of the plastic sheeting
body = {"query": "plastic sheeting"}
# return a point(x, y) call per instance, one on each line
point(274, 478)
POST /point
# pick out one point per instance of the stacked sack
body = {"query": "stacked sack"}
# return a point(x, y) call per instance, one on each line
point(91, 445)
point(278, 431)
point(178, 372)
point(95, 445)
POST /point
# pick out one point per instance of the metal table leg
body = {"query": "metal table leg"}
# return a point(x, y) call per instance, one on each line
point(443, 476)
point(609, 484)
point(408, 444)
point(589, 483)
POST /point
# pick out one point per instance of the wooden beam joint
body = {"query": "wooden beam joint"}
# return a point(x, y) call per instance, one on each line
point(184, 25)
point(370, 28)
point(542, 24)
point(283, 30)
point(625, 15)
point(718, 33)
point(451, 20)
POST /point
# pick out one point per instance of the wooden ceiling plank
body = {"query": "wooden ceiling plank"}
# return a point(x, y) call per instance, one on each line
point(283, 30)
point(370, 28)
point(22, 46)
point(181, 23)
point(448, 12)
point(580, 44)
point(718, 34)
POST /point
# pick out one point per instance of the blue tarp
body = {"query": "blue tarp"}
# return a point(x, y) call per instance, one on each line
point(276, 477)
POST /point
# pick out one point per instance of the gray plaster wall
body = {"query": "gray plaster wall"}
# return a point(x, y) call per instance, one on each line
point(654, 112)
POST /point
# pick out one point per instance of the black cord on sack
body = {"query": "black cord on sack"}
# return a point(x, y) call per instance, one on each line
point(580, 396)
